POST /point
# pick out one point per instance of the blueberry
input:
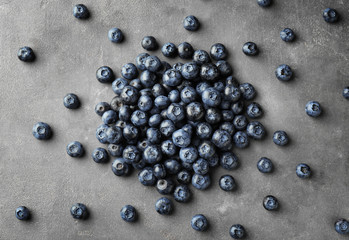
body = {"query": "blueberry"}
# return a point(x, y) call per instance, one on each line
point(101, 133)
point(79, 211)
point(149, 43)
point(209, 72)
point(158, 90)
point(188, 154)
point(155, 120)
point(188, 94)
point(240, 122)
point(191, 23)
point(283, 72)
point(140, 165)
point(229, 161)
point(222, 139)
point(213, 161)
point(145, 103)
point(168, 148)
point(172, 78)
point(169, 50)
point(213, 116)
point(115, 150)
point(265, 165)
point(227, 126)
point(206, 149)
point(199, 223)
point(105, 74)
point(280, 138)
point(201, 182)
point(255, 130)
point(190, 70)
point(148, 78)
point(153, 63)
point(125, 112)
point(131, 154)
point(162, 102)
point(220, 86)
point(330, 15)
point(129, 71)
point(218, 51)
point(227, 183)
point(287, 35)
point(139, 118)
point(100, 155)
point(195, 111)
point(313, 109)
point(181, 138)
point(248, 91)
point(109, 117)
point(201, 57)
point(250, 49)
point(224, 68)
point(346, 92)
point(165, 186)
point(153, 135)
point(140, 61)
point(175, 112)
point(164, 206)
point(172, 166)
point(42, 131)
point(254, 110)
point(341, 226)
point(142, 145)
point(204, 130)
point(152, 154)
point(232, 81)
point(167, 127)
point(183, 177)
point(80, 11)
point(159, 171)
point(75, 149)
point(264, 3)
point(240, 139)
point(118, 85)
point(26, 54)
point(182, 193)
point(122, 125)
point(227, 115)
point(101, 108)
point(237, 231)
point(120, 167)
point(128, 213)
point(201, 87)
point(115, 35)
point(22, 213)
point(136, 83)
point(270, 203)
point(185, 50)
point(231, 93)
point(237, 107)
point(147, 177)
point(130, 132)
point(303, 170)
point(174, 96)
point(201, 166)
point(165, 66)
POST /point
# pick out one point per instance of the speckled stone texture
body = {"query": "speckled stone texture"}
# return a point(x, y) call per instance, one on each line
point(41, 176)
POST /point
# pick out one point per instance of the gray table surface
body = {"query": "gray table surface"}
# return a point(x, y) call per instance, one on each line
point(41, 176)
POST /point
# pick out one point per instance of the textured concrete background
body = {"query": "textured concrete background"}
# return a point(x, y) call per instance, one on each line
point(41, 176)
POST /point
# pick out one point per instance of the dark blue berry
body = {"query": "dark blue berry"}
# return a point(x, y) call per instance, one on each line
point(140, 61)
point(213, 115)
point(118, 85)
point(201, 87)
point(204, 130)
point(165, 186)
point(201, 57)
point(101, 108)
point(283, 72)
point(254, 110)
point(287, 35)
point(188, 154)
point(22, 213)
point(280, 138)
point(131, 154)
point(101, 133)
point(227, 183)
point(174, 96)
point(195, 111)
point(201, 182)
point(224, 68)
point(115, 35)
point(313, 109)
point(105, 74)
point(248, 91)
point(190, 70)
point(79, 211)
point(80, 11)
point(188, 94)
point(167, 127)
point(255, 130)
point(184, 177)
point(237, 231)
point(240, 139)
point(172, 166)
point(199, 223)
point(120, 167)
point(129, 71)
point(26, 54)
point(149, 43)
point(264, 3)
point(139, 118)
point(75, 149)
point(109, 117)
point(164, 206)
point(181, 138)
point(232, 93)
point(159, 171)
point(222, 139)
point(209, 72)
point(136, 83)
point(229, 161)
point(153, 64)
point(191, 23)
point(227, 126)
point(130, 132)
point(152, 154)
point(250, 49)
point(330, 15)
point(237, 107)
point(182, 193)
point(201, 166)
point(240, 122)
point(100, 155)
point(346, 92)
point(218, 52)
point(265, 165)
point(162, 102)
point(147, 177)
point(227, 115)
point(270, 203)
point(128, 213)
point(115, 150)
point(148, 79)
point(185, 50)
point(175, 112)
point(42, 131)
point(169, 50)
point(341, 226)
point(155, 120)
point(303, 170)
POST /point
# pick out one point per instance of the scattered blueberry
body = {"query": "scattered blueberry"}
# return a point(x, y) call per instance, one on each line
point(80, 11)
point(248, 91)
point(199, 222)
point(42, 131)
point(115, 35)
point(255, 130)
point(71, 101)
point(264, 3)
point(240, 139)
point(227, 183)
point(22, 213)
point(120, 167)
point(184, 177)
point(330, 15)
point(254, 110)
point(147, 177)
point(218, 51)
point(201, 57)
point(129, 71)
point(191, 23)
point(149, 43)
point(109, 117)
point(270, 203)
point(182, 193)
point(201, 182)
point(283, 72)
point(165, 186)
point(153, 64)
point(237, 231)
point(169, 50)
point(346, 92)
point(224, 68)
point(250, 49)
point(164, 206)
point(280, 138)
point(303, 170)
point(265, 165)
point(105, 74)
point(341, 226)
point(26, 54)
point(313, 109)
point(287, 35)
point(75, 149)
point(140, 61)
point(229, 161)
point(79, 211)
point(190, 70)
point(128, 213)
point(185, 50)
point(100, 155)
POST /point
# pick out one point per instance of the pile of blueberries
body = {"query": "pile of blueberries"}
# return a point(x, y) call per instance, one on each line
point(175, 124)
